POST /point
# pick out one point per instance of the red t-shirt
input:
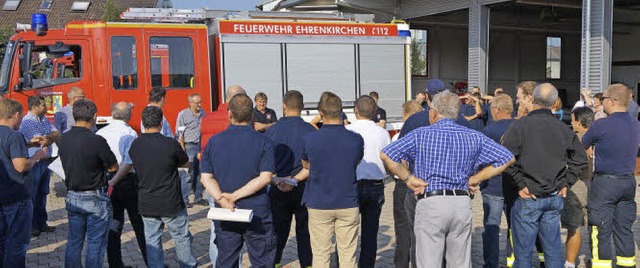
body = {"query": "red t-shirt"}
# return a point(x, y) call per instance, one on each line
point(213, 123)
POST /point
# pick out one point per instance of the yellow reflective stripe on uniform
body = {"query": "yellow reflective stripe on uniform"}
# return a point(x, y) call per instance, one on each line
point(601, 264)
point(510, 259)
point(541, 257)
point(626, 261)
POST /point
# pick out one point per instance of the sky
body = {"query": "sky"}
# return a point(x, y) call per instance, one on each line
point(216, 4)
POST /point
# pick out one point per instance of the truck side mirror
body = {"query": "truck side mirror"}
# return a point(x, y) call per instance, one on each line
point(25, 65)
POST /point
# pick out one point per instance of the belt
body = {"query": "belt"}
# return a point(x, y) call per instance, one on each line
point(554, 193)
point(371, 182)
point(443, 193)
point(101, 190)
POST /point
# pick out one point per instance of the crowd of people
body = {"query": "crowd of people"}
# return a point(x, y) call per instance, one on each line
point(330, 176)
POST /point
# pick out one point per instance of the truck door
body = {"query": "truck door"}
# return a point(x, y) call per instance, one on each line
point(50, 69)
point(172, 60)
point(127, 82)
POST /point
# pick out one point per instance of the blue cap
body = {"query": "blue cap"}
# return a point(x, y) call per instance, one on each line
point(434, 86)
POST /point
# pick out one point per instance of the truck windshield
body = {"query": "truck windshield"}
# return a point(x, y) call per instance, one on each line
point(6, 66)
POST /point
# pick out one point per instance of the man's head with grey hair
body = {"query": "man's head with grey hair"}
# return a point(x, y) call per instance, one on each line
point(121, 111)
point(74, 94)
point(234, 90)
point(446, 105)
point(545, 95)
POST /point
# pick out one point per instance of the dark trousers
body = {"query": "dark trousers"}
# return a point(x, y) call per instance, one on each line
point(612, 211)
point(41, 176)
point(15, 233)
point(370, 199)
point(402, 227)
point(125, 196)
point(283, 207)
point(492, 206)
point(410, 204)
point(257, 235)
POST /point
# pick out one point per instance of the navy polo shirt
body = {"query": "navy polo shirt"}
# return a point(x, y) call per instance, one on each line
point(615, 143)
point(14, 186)
point(495, 131)
point(468, 110)
point(268, 117)
point(236, 156)
point(334, 154)
point(286, 135)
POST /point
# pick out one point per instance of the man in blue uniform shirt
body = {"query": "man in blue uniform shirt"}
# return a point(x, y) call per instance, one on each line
point(236, 166)
point(286, 200)
point(611, 203)
point(331, 155)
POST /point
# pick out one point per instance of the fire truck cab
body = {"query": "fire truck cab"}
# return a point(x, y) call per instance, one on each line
point(118, 61)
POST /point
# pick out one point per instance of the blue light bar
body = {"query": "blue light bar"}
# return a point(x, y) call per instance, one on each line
point(39, 23)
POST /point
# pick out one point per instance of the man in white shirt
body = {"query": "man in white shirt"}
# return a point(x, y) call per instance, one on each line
point(370, 174)
point(124, 184)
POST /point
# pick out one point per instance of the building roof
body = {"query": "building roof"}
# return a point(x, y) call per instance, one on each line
point(60, 11)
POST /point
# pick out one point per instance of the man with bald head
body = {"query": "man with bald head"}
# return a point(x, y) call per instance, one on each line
point(63, 118)
point(124, 184)
point(549, 158)
point(612, 207)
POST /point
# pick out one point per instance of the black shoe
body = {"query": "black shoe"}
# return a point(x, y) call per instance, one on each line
point(202, 202)
point(35, 233)
point(47, 229)
point(189, 205)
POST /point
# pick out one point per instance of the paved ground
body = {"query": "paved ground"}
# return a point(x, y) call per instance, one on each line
point(47, 250)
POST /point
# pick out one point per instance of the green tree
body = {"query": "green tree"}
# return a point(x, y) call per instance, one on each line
point(418, 59)
point(112, 11)
point(5, 33)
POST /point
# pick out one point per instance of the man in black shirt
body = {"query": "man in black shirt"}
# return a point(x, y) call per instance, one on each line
point(16, 206)
point(86, 159)
point(380, 117)
point(549, 159)
point(156, 159)
point(262, 117)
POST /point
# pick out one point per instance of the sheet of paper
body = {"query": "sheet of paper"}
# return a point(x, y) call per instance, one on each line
point(285, 180)
point(56, 167)
point(223, 214)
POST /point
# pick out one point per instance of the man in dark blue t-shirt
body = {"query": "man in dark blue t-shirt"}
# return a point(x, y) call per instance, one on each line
point(16, 207)
point(611, 201)
point(501, 108)
point(331, 155)
point(237, 165)
point(286, 200)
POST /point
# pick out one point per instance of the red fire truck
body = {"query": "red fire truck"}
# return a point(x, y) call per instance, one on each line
point(262, 51)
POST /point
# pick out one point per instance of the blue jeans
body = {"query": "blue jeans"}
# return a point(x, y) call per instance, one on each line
point(192, 150)
point(41, 176)
point(15, 233)
point(89, 215)
point(213, 249)
point(178, 227)
point(539, 218)
point(492, 206)
point(185, 184)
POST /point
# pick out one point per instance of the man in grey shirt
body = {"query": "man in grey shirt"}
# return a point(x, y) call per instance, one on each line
point(63, 118)
point(188, 124)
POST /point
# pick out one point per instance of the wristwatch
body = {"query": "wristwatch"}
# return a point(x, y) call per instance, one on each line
point(407, 179)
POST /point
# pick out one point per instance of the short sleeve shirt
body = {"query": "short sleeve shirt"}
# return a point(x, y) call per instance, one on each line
point(615, 143)
point(14, 186)
point(286, 135)
point(268, 117)
point(236, 156)
point(381, 114)
point(156, 159)
point(85, 158)
point(334, 154)
point(32, 126)
point(119, 136)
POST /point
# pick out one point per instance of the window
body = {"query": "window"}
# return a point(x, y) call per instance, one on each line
point(419, 52)
point(124, 62)
point(55, 65)
point(554, 52)
point(6, 65)
point(11, 5)
point(46, 5)
point(80, 6)
point(172, 64)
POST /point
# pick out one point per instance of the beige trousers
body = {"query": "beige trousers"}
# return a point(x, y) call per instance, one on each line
point(323, 224)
